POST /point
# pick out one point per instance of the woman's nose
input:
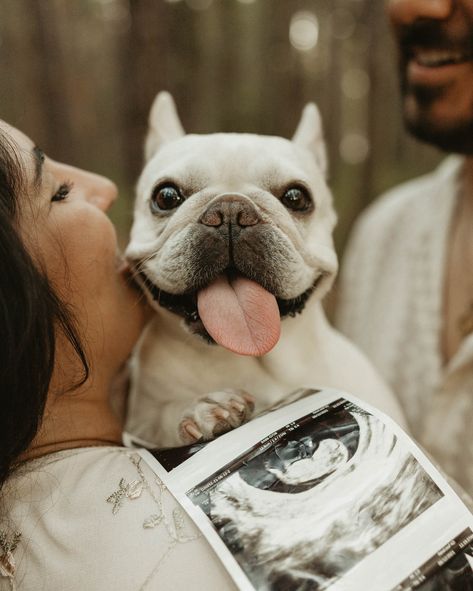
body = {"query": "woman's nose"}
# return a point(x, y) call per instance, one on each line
point(406, 12)
point(101, 192)
point(95, 188)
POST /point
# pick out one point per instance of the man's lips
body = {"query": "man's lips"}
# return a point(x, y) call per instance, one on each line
point(437, 58)
point(436, 66)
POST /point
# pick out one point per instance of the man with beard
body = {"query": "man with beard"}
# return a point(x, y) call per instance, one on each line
point(407, 286)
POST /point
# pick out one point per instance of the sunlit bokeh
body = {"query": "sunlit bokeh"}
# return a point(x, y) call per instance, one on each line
point(304, 30)
point(354, 148)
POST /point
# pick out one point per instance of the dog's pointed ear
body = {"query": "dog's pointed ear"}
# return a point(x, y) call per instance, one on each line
point(309, 135)
point(164, 123)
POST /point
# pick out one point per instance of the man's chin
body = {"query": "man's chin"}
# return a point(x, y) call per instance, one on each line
point(431, 116)
point(449, 136)
point(451, 140)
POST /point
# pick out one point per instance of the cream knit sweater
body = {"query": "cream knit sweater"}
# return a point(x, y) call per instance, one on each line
point(390, 305)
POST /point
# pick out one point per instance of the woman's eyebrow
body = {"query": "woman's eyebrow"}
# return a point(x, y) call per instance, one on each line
point(39, 160)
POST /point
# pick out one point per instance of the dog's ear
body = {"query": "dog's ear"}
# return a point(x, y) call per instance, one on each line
point(309, 135)
point(164, 124)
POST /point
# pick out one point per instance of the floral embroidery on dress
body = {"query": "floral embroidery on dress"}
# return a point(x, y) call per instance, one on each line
point(172, 521)
point(152, 521)
point(178, 518)
point(129, 491)
point(8, 544)
point(175, 525)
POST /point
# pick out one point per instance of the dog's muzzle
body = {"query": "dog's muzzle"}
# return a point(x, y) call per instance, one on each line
point(231, 239)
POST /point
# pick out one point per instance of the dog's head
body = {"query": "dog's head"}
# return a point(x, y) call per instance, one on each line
point(229, 224)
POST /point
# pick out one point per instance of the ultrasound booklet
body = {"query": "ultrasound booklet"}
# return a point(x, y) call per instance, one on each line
point(323, 493)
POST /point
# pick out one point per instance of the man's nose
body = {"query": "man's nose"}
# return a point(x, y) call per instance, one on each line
point(406, 12)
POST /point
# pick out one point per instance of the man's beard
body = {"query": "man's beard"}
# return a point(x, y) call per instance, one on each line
point(456, 137)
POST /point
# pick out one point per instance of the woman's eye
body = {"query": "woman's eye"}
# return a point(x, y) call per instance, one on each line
point(62, 192)
point(165, 197)
point(297, 199)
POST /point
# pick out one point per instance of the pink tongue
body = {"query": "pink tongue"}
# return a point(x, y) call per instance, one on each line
point(241, 316)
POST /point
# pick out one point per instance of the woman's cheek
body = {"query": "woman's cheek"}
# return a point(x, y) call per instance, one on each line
point(86, 245)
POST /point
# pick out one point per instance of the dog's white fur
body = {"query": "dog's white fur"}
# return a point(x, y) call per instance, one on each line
point(180, 384)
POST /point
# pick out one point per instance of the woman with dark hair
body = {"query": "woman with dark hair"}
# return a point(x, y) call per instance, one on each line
point(78, 511)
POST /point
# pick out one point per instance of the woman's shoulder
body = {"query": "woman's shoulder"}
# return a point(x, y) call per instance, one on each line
point(100, 518)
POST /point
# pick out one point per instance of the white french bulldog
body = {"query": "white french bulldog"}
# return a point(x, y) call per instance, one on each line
point(231, 241)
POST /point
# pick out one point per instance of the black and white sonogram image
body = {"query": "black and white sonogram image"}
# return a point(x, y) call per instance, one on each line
point(310, 501)
point(450, 569)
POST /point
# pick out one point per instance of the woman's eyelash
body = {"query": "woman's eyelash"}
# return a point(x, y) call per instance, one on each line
point(63, 191)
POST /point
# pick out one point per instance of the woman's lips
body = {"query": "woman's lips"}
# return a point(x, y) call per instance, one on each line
point(437, 67)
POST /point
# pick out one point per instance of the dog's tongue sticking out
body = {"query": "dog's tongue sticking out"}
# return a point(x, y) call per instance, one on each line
point(240, 315)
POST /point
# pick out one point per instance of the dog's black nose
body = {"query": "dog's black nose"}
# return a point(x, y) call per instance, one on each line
point(230, 210)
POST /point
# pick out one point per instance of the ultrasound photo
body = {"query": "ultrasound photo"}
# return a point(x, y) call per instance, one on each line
point(451, 569)
point(305, 505)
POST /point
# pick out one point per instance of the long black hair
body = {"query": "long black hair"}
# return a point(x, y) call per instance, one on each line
point(30, 316)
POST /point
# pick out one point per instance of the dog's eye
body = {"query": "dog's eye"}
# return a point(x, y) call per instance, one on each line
point(297, 199)
point(165, 197)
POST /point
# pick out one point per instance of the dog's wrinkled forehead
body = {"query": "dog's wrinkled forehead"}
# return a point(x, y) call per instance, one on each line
point(233, 162)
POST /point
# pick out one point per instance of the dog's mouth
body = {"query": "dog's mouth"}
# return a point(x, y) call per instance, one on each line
point(232, 311)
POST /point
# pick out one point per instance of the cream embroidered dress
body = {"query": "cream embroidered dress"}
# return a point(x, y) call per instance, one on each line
point(99, 519)
point(391, 305)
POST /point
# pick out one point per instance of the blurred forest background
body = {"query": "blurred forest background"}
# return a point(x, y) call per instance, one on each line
point(79, 77)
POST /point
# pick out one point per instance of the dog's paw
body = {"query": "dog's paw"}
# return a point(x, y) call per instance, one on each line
point(215, 414)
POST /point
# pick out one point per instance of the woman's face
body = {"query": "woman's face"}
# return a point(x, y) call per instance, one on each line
point(64, 224)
